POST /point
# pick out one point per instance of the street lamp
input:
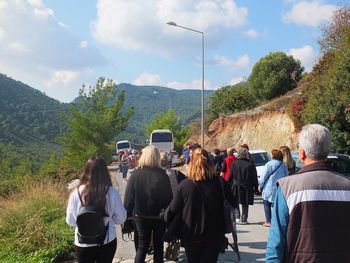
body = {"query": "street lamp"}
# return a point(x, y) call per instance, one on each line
point(202, 111)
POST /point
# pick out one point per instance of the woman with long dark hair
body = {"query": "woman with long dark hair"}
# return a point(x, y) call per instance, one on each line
point(199, 201)
point(95, 189)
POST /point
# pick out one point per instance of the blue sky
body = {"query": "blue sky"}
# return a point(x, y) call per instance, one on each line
point(58, 45)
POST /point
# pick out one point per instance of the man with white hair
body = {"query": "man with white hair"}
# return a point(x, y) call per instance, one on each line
point(310, 220)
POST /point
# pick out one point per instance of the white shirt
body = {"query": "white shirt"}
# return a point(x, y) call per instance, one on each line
point(114, 208)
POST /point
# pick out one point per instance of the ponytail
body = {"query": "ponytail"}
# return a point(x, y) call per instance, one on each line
point(201, 166)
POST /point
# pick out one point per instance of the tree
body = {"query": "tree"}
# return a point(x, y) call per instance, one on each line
point(93, 121)
point(274, 75)
point(231, 99)
point(170, 121)
point(328, 93)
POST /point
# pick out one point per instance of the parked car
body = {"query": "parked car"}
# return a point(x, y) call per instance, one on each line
point(260, 158)
point(341, 162)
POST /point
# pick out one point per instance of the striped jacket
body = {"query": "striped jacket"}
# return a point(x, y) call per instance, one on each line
point(311, 217)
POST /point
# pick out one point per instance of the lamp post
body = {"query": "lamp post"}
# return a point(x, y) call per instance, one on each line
point(202, 107)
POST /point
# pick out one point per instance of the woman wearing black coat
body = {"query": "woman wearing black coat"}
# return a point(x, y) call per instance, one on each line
point(199, 202)
point(243, 179)
point(147, 193)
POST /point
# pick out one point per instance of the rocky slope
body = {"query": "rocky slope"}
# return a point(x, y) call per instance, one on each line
point(266, 127)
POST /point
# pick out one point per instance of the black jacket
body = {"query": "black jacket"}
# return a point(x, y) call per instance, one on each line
point(148, 192)
point(198, 220)
point(243, 179)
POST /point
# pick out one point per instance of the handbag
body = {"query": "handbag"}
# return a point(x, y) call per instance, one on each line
point(172, 251)
point(128, 227)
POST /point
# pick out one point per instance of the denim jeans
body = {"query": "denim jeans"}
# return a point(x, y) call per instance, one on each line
point(267, 208)
point(124, 171)
point(145, 227)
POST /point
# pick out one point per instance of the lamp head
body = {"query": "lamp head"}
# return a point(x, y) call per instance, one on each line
point(172, 23)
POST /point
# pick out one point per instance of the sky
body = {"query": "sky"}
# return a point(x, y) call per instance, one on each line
point(57, 46)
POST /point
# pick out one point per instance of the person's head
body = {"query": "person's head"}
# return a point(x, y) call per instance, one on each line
point(217, 151)
point(97, 180)
point(243, 153)
point(245, 146)
point(277, 155)
point(314, 143)
point(230, 151)
point(163, 159)
point(150, 157)
point(287, 156)
point(202, 167)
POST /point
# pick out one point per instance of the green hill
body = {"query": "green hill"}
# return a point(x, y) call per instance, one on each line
point(148, 101)
point(30, 121)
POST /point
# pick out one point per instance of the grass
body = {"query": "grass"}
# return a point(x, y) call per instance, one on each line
point(32, 224)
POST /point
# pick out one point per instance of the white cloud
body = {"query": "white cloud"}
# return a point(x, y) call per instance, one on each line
point(309, 13)
point(83, 44)
point(34, 45)
point(147, 79)
point(305, 54)
point(241, 63)
point(251, 33)
point(135, 30)
point(18, 47)
point(237, 80)
point(194, 84)
point(63, 76)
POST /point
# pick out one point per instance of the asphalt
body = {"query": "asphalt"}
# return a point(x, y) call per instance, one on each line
point(252, 238)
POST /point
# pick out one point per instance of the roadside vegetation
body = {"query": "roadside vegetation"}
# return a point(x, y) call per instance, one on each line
point(325, 95)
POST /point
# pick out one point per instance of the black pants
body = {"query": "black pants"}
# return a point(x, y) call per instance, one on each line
point(206, 251)
point(144, 229)
point(98, 254)
point(244, 217)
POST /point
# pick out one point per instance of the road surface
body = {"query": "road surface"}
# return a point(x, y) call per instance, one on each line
point(251, 237)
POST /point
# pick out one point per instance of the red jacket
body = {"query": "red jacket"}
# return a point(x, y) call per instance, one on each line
point(227, 166)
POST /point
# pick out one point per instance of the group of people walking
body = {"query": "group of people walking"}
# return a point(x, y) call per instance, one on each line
point(163, 203)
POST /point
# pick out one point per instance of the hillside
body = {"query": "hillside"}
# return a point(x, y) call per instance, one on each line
point(148, 101)
point(30, 120)
point(267, 126)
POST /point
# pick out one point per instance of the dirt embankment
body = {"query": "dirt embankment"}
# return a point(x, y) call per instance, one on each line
point(265, 130)
point(265, 127)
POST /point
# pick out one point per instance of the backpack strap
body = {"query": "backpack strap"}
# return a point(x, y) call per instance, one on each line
point(81, 200)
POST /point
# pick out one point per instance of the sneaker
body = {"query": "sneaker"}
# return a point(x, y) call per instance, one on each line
point(267, 224)
point(238, 220)
point(244, 223)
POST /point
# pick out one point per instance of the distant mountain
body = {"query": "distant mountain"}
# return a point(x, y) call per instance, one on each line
point(28, 118)
point(149, 101)
point(31, 120)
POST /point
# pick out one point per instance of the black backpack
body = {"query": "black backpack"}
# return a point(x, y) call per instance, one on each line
point(90, 223)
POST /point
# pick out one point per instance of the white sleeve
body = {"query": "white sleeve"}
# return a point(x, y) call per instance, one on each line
point(119, 212)
point(71, 215)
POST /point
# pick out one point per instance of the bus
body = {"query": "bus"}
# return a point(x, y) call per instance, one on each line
point(163, 140)
point(122, 146)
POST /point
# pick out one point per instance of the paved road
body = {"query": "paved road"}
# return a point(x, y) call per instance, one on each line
point(251, 238)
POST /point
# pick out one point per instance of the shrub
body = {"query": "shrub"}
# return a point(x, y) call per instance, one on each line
point(32, 224)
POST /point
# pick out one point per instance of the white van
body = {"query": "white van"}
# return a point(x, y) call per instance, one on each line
point(122, 146)
point(163, 140)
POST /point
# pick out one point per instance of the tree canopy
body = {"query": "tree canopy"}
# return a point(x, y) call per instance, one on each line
point(231, 99)
point(274, 75)
point(93, 121)
point(328, 94)
point(169, 120)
